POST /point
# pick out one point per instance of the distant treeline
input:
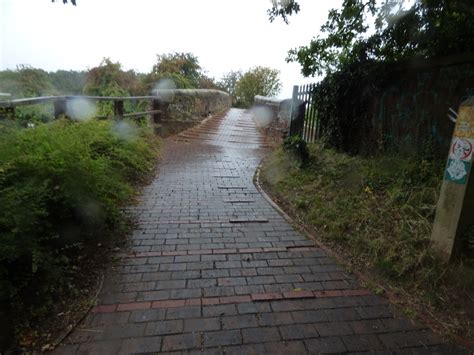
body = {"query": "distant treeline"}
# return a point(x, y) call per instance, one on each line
point(172, 70)
point(107, 79)
point(27, 81)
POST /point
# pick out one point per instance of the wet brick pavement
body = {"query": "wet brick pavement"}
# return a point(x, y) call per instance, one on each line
point(213, 268)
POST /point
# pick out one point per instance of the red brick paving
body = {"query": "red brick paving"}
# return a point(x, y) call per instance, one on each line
point(203, 274)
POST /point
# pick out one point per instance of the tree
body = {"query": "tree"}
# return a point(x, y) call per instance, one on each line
point(182, 68)
point(109, 79)
point(358, 64)
point(257, 81)
point(426, 29)
point(228, 83)
point(68, 82)
point(283, 9)
point(26, 81)
point(66, 1)
point(206, 82)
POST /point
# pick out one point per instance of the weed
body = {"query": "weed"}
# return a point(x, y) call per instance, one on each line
point(378, 211)
point(298, 148)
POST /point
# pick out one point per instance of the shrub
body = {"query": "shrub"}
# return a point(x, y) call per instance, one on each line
point(62, 186)
point(297, 146)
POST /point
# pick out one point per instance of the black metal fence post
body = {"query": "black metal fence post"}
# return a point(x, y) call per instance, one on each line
point(293, 111)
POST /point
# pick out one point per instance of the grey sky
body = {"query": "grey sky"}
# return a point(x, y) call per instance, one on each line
point(224, 34)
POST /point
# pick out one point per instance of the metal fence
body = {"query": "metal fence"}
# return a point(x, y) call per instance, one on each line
point(304, 115)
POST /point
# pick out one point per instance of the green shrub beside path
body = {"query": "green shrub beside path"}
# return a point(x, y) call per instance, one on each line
point(62, 188)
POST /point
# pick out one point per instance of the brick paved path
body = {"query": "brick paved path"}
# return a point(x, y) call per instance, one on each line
point(213, 268)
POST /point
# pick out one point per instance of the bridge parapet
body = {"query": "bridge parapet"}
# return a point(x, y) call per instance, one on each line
point(171, 110)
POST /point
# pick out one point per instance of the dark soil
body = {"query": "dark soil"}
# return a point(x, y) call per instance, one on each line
point(46, 333)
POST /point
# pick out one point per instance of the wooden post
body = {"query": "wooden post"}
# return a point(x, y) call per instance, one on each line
point(456, 202)
point(118, 109)
point(11, 112)
point(161, 107)
point(158, 116)
point(7, 112)
point(60, 107)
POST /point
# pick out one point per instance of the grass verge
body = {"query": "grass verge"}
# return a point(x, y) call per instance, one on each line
point(63, 186)
point(377, 212)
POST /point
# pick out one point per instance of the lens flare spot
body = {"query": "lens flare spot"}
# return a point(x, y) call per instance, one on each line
point(80, 109)
point(163, 89)
point(262, 115)
point(124, 130)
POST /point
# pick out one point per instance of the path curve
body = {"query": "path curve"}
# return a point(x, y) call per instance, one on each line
point(213, 268)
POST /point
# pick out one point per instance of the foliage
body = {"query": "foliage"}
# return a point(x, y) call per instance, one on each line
point(228, 82)
point(66, 1)
point(297, 146)
point(68, 82)
point(62, 187)
point(283, 9)
point(377, 212)
point(109, 79)
point(426, 29)
point(26, 81)
point(206, 82)
point(183, 68)
point(185, 64)
point(358, 50)
point(178, 71)
point(344, 100)
point(257, 81)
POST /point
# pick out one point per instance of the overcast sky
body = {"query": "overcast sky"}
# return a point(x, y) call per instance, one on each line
point(224, 34)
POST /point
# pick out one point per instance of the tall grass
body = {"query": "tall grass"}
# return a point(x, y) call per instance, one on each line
point(377, 211)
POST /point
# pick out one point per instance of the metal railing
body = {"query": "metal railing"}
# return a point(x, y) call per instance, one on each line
point(304, 115)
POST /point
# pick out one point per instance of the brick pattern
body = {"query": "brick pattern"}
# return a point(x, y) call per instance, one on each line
point(213, 268)
point(258, 297)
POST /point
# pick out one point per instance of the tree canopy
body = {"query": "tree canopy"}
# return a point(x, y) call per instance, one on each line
point(229, 82)
point(257, 81)
point(66, 1)
point(182, 68)
point(26, 81)
point(388, 31)
point(109, 79)
point(283, 9)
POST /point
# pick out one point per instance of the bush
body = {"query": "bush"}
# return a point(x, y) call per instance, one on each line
point(297, 146)
point(62, 186)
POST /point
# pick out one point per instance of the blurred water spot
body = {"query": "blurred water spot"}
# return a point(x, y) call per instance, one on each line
point(80, 109)
point(91, 211)
point(124, 130)
point(262, 116)
point(162, 89)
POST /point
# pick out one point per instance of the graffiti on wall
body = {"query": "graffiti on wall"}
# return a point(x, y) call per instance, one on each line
point(420, 106)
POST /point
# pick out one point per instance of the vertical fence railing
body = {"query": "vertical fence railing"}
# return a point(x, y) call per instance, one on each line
point(304, 115)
